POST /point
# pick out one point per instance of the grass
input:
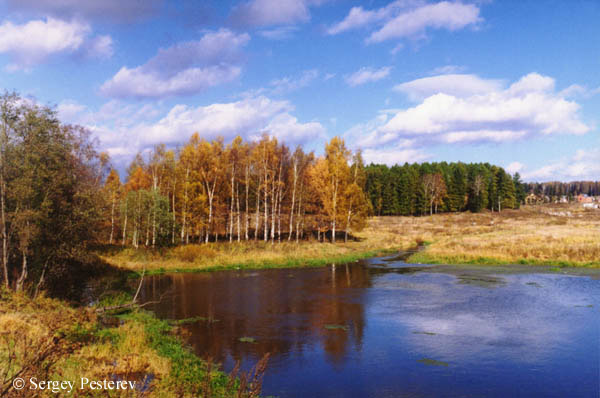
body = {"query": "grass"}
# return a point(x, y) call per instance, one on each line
point(71, 343)
point(259, 254)
point(534, 235)
point(553, 235)
point(432, 362)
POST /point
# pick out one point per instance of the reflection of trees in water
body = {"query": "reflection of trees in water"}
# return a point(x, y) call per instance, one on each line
point(284, 310)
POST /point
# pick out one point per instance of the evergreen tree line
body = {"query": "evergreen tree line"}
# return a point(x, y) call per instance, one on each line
point(428, 188)
point(556, 189)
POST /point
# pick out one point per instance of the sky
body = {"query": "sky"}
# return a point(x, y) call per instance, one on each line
point(512, 83)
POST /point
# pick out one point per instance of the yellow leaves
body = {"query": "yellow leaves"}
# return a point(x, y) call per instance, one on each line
point(139, 179)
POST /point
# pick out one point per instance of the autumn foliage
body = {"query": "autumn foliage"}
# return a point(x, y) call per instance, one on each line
point(209, 191)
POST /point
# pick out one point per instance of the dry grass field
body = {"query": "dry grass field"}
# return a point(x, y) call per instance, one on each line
point(563, 235)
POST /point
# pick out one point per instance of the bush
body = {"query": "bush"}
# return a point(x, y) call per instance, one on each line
point(191, 253)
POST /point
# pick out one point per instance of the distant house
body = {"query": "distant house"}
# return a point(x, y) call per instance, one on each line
point(533, 199)
point(591, 206)
point(583, 198)
point(563, 199)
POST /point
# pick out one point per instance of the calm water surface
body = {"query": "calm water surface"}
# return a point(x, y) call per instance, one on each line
point(409, 330)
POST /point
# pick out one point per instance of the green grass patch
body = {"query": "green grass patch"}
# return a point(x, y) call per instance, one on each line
point(432, 362)
point(336, 327)
point(425, 257)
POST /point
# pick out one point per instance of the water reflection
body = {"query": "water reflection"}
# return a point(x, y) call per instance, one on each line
point(379, 328)
point(283, 310)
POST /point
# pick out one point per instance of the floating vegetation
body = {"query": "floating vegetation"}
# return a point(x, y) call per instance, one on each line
point(427, 333)
point(194, 319)
point(480, 280)
point(336, 327)
point(247, 339)
point(432, 362)
point(533, 284)
point(585, 306)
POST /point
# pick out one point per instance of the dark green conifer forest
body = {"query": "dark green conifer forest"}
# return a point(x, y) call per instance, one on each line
point(428, 188)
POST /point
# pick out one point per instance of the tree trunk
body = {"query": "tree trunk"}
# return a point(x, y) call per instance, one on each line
point(293, 201)
point(348, 223)
point(334, 211)
point(298, 219)
point(237, 198)
point(125, 223)
point(246, 213)
point(21, 280)
point(3, 220)
point(112, 220)
point(266, 232)
point(257, 224)
point(184, 229)
point(232, 202)
point(174, 219)
point(210, 201)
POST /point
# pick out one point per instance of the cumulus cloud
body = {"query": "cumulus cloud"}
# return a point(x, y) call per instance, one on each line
point(458, 85)
point(183, 69)
point(480, 111)
point(272, 12)
point(409, 19)
point(288, 84)
point(367, 75)
point(33, 42)
point(124, 129)
point(111, 10)
point(447, 70)
point(394, 156)
point(249, 117)
point(584, 165)
point(358, 17)
point(514, 167)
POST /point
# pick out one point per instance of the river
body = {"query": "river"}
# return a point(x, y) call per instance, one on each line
point(385, 328)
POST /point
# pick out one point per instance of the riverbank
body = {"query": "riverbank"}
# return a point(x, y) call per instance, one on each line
point(555, 235)
point(368, 243)
point(76, 344)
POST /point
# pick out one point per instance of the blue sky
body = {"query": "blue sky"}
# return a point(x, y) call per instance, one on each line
point(514, 83)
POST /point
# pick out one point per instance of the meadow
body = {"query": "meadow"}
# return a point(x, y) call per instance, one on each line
point(559, 235)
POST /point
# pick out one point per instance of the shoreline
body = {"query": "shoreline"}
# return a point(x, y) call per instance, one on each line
point(427, 258)
point(418, 257)
point(291, 262)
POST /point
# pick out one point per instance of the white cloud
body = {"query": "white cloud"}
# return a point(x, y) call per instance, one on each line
point(409, 19)
point(514, 167)
point(356, 18)
point(529, 107)
point(459, 85)
point(447, 70)
point(287, 84)
point(33, 42)
point(578, 91)
point(101, 46)
point(272, 12)
point(443, 15)
point(394, 156)
point(584, 165)
point(368, 75)
point(183, 69)
point(124, 129)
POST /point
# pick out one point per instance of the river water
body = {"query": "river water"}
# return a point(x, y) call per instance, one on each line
point(384, 328)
